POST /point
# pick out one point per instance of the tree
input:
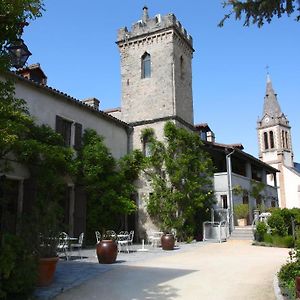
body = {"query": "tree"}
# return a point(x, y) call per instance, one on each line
point(13, 16)
point(180, 173)
point(260, 11)
point(108, 183)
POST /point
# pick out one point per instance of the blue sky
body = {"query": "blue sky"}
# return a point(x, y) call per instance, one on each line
point(74, 42)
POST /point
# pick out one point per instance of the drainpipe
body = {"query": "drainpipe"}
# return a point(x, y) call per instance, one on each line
point(229, 177)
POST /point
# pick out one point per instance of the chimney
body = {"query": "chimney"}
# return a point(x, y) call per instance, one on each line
point(93, 102)
point(34, 73)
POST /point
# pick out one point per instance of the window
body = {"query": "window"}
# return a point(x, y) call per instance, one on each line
point(271, 139)
point(63, 127)
point(78, 136)
point(245, 199)
point(224, 201)
point(286, 140)
point(203, 136)
point(146, 148)
point(266, 140)
point(71, 132)
point(146, 65)
point(181, 68)
point(282, 139)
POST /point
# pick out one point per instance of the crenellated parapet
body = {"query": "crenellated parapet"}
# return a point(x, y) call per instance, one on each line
point(153, 26)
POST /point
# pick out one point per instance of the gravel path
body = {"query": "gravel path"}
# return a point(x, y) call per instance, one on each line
point(211, 271)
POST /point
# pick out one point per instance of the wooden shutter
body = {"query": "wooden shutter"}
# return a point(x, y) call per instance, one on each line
point(78, 136)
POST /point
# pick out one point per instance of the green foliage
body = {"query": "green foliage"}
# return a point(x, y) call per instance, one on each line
point(237, 190)
point(260, 11)
point(17, 268)
point(261, 230)
point(241, 211)
point(180, 173)
point(256, 190)
point(12, 14)
point(287, 275)
point(108, 183)
point(277, 224)
point(15, 120)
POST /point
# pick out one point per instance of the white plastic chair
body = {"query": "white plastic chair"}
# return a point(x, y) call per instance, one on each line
point(123, 237)
point(130, 238)
point(98, 236)
point(63, 244)
point(78, 245)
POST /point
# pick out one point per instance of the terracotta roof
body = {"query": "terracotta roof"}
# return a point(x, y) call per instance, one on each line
point(109, 110)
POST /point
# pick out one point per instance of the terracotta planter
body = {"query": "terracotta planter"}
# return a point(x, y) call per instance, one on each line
point(167, 241)
point(46, 270)
point(107, 251)
point(297, 281)
point(242, 222)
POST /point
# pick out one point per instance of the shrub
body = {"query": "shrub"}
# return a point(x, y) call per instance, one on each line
point(283, 241)
point(17, 269)
point(268, 238)
point(241, 211)
point(261, 230)
point(277, 224)
point(287, 275)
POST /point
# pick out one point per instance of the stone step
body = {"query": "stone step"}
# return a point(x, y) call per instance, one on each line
point(242, 233)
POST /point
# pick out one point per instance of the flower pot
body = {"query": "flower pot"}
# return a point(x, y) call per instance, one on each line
point(107, 251)
point(167, 241)
point(297, 284)
point(242, 222)
point(46, 270)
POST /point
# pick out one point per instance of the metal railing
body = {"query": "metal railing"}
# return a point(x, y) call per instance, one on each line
point(215, 231)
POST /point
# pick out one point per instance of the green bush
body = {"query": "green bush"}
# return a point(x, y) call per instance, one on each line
point(283, 241)
point(286, 276)
point(241, 211)
point(261, 230)
point(18, 269)
point(277, 224)
point(268, 238)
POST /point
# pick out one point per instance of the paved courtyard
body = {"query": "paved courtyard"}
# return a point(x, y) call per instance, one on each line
point(230, 270)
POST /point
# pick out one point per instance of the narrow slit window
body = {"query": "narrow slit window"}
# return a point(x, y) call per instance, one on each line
point(271, 139)
point(146, 65)
point(266, 140)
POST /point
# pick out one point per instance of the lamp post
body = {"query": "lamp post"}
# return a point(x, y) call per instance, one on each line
point(18, 50)
point(19, 53)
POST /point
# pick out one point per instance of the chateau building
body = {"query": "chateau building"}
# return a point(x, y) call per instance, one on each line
point(156, 73)
point(275, 148)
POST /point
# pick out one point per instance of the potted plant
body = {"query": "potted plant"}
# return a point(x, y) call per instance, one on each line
point(107, 249)
point(48, 235)
point(241, 212)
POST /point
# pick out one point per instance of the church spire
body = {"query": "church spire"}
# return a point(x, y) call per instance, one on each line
point(271, 105)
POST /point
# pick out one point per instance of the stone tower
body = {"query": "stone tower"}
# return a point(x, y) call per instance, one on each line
point(156, 78)
point(274, 138)
point(156, 73)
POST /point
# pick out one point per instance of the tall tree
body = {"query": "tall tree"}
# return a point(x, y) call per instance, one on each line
point(181, 179)
point(260, 11)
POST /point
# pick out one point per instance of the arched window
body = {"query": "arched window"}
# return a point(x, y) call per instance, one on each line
point(146, 65)
point(266, 140)
point(286, 140)
point(271, 139)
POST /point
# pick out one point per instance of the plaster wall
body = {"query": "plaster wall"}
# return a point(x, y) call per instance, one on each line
point(292, 188)
point(44, 106)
